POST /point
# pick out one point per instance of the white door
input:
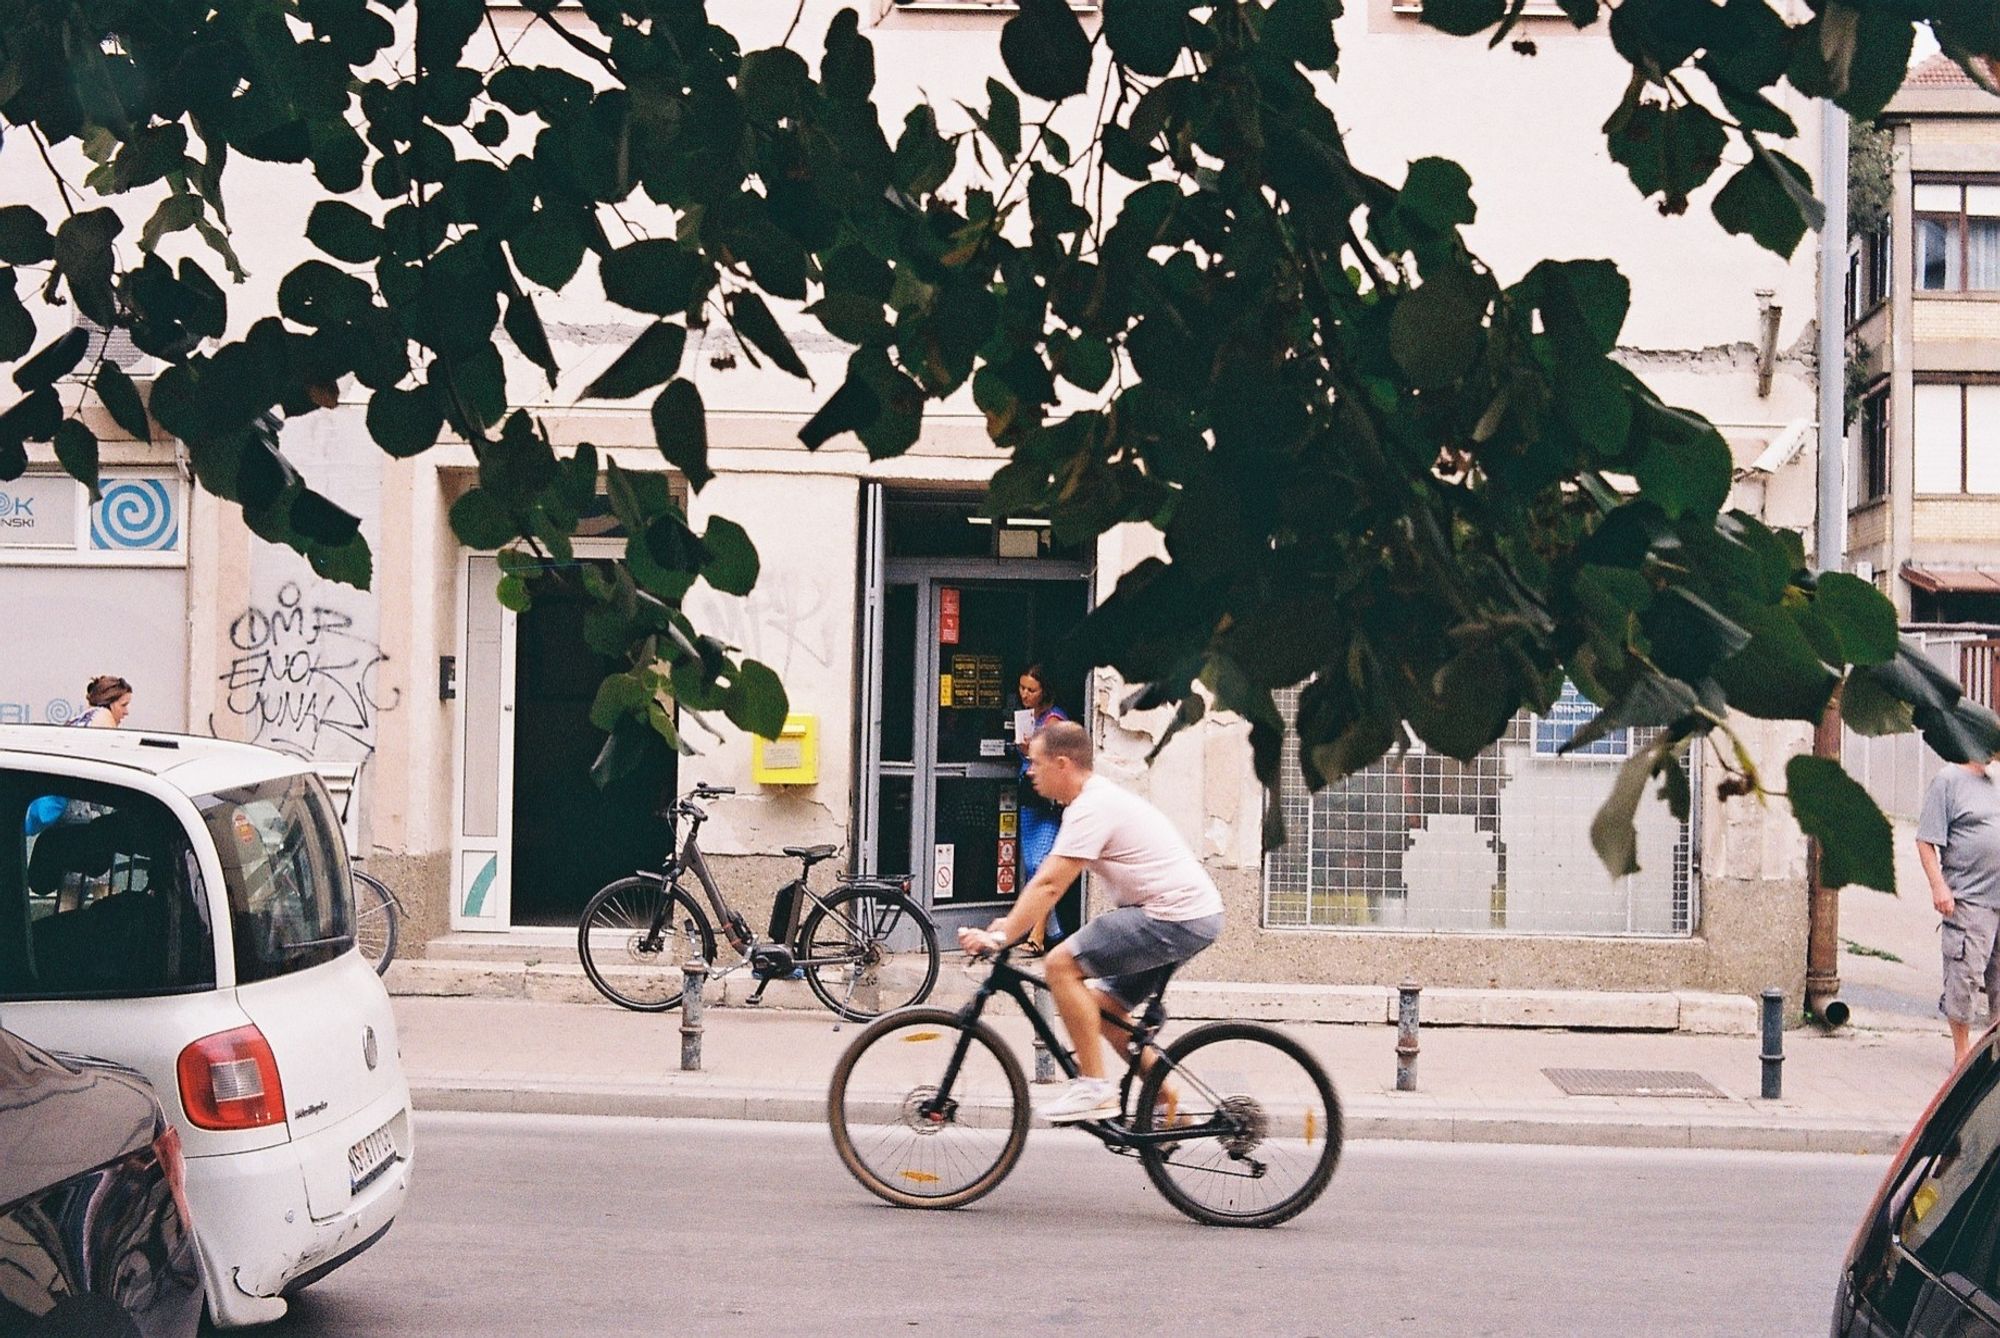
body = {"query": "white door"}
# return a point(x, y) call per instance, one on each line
point(483, 807)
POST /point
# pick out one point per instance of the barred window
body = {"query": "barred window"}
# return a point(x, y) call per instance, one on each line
point(1500, 844)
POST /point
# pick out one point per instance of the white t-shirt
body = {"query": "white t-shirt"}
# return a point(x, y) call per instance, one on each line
point(1129, 844)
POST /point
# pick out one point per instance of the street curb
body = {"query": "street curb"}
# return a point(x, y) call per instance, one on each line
point(1369, 1118)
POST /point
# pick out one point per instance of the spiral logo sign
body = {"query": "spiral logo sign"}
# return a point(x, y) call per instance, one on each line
point(6, 504)
point(136, 515)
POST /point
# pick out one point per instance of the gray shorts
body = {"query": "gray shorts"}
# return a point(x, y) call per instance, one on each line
point(1131, 953)
point(1971, 967)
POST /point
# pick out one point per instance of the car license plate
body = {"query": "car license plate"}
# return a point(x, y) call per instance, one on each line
point(369, 1158)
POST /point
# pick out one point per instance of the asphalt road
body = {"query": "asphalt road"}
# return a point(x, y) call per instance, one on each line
point(547, 1226)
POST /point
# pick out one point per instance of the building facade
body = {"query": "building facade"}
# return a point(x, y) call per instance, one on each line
point(900, 619)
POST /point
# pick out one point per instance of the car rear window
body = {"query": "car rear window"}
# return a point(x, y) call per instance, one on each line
point(286, 869)
point(100, 894)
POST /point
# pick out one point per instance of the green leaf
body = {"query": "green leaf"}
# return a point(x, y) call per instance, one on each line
point(771, 83)
point(317, 295)
point(618, 696)
point(56, 360)
point(524, 326)
point(1583, 303)
point(1462, 18)
point(121, 401)
point(406, 422)
point(1437, 193)
point(1867, 708)
point(481, 522)
point(1303, 31)
point(1046, 50)
point(549, 248)
point(1778, 675)
point(1685, 467)
point(1002, 122)
point(176, 213)
point(1760, 203)
point(76, 450)
point(754, 322)
point(847, 71)
point(491, 130)
point(1855, 845)
point(731, 562)
point(849, 409)
point(656, 277)
point(680, 428)
point(83, 256)
point(1612, 833)
point(756, 700)
point(1084, 361)
point(24, 236)
point(652, 358)
point(1145, 35)
point(1860, 615)
point(1436, 332)
point(1669, 151)
point(344, 232)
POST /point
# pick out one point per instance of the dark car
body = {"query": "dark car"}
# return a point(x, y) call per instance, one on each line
point(94, 1236)
point(1926, 1261)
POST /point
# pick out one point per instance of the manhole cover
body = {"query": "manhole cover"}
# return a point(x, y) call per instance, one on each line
point(1634, 1082)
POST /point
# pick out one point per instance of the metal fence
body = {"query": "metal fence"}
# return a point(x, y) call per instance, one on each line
point(1897, 769)
point(1500, 844)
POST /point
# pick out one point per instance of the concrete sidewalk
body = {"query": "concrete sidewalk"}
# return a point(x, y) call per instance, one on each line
point(1853, 1091)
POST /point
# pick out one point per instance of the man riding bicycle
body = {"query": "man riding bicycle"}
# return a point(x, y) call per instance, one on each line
point(1168, 909)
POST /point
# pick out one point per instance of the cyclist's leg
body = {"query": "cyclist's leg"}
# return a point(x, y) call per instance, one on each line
point(1125, 946)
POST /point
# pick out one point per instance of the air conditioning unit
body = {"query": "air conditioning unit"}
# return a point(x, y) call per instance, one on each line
point(114, 346)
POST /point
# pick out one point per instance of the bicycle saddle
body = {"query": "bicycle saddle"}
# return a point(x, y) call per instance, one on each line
point(812, 854)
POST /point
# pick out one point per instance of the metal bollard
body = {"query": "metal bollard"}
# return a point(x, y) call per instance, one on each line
point(1045, 1063)
point(1406, 1035)
point(1774, 1044)
point(693, 976)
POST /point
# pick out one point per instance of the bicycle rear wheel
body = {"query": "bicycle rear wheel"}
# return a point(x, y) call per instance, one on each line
point(629, 964)
point(1269, 1121)
point(905, 1134)
point(375, 919)
point(849, 964)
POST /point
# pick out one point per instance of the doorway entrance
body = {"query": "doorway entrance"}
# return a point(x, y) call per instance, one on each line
point(570, 837)
point(943, 785)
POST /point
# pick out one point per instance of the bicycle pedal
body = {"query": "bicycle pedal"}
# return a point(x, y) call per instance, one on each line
point(757, 995)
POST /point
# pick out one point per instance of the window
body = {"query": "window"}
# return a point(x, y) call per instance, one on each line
point(1868, 274)
point(100, 894)
point(290, 906)
point(1568, 714)
point(1957, 438)
point(1957, 237)
point(1874, 473)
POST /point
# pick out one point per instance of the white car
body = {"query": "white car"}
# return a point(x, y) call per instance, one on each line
point(182, 906)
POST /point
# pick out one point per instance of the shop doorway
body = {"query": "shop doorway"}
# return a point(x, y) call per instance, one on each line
point(943, 785)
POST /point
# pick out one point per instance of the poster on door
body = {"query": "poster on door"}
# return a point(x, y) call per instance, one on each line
point(947, 616)
point(943, 859)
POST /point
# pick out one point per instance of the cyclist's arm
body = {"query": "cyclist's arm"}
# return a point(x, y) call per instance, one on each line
point(1038, 898)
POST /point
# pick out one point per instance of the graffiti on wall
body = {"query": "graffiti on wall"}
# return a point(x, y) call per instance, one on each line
point(302, 679)
point(785, 621)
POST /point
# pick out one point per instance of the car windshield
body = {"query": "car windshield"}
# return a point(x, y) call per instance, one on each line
point(282, 857)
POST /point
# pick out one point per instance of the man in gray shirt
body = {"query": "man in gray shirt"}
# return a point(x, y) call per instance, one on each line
point(1958, 843)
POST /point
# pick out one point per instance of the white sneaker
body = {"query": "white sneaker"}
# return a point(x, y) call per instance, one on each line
point(1085, 1099)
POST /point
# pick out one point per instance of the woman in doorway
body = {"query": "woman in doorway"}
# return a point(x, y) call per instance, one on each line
point(1040, 820)
point(110, 701)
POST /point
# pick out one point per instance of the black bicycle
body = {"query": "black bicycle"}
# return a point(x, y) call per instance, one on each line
point(1235, 1123)
point(863, 949)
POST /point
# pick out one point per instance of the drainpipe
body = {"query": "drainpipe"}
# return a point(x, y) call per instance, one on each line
point(1830, 535)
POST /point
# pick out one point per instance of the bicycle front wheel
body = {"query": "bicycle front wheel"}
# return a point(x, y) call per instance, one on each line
point(631, 964)
point(374, 921)
point(927, 1111)
point(845, 950)
point(1263, 1122)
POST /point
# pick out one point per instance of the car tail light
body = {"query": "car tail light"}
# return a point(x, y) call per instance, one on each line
point(167, 1148)
point(230, 1081)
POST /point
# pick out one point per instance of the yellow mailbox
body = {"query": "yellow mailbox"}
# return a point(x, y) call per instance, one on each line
point(790, 759)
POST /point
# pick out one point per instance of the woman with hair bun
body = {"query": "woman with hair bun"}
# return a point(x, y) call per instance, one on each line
point(110, 701)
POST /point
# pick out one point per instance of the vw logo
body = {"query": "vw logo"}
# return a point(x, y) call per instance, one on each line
point(369, 1052)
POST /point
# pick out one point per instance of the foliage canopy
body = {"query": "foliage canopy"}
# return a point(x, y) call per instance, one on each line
point(1379, 471)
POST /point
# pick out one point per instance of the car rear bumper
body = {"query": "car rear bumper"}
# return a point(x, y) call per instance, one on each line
point(254, 1219)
